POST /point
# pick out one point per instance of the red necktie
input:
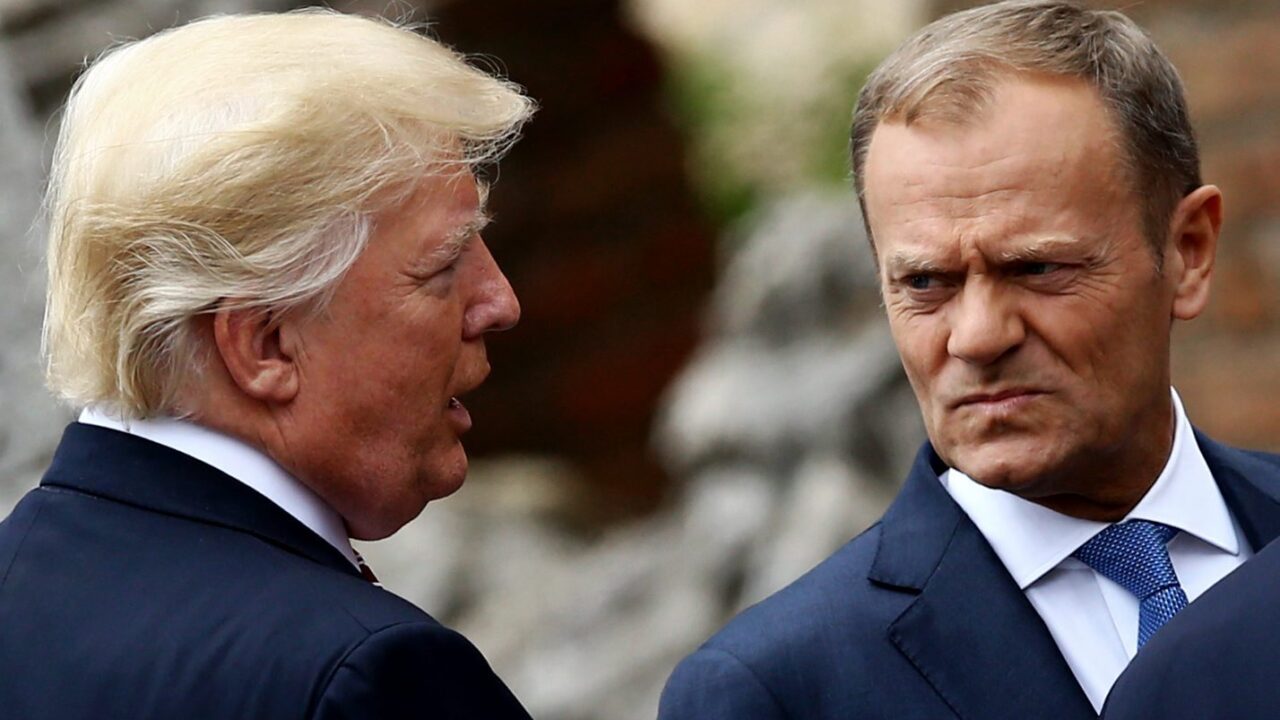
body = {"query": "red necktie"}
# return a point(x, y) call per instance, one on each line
point(365, 571)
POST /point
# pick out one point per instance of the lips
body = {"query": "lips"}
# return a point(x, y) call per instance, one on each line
point(458, 415)
point(1007, 397)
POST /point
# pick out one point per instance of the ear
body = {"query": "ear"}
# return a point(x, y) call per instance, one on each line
point(258, 359)
point(1193, 243)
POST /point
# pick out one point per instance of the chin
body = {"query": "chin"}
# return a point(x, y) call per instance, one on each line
point(407, 494)
point(1011, 467)
point(448, 477)
point(382, 523)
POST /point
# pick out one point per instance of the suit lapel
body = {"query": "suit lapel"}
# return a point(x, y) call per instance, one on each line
point(1250, 487)
point(125, 468)
point(971, 633)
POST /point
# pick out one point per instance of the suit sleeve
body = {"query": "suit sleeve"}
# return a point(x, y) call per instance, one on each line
point(713, 684)
point(416, 670)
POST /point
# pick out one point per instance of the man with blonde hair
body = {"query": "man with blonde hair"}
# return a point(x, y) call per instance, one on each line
point(267, 293)
point(1031, 186)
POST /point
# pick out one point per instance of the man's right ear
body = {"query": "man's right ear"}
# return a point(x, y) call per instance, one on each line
point(257, 358)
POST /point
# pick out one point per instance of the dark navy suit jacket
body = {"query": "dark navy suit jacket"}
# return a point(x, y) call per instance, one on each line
point(916, 618)
point(1218, 658)
point(139, 583)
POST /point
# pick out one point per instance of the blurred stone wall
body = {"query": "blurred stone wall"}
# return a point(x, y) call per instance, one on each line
point(30, 421)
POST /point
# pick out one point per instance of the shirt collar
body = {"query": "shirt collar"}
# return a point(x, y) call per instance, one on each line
point(241, 461)
point(1031, 539)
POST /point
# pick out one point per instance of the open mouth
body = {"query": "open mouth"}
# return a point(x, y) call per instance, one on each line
point(458, 415)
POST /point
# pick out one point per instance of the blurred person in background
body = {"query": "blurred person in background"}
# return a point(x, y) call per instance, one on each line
point(267, 292)
point(1031, 185)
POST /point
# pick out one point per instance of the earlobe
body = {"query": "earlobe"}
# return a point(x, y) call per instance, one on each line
point(1194, 236)
point(260, 365)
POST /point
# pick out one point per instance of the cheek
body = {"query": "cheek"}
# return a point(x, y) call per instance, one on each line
point(922, 344)
point(1079, 332)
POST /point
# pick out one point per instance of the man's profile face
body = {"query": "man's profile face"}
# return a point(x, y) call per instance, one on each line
point(1026, 303)
point(378, 426)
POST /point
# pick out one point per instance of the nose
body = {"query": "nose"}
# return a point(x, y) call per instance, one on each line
point(495, 307)
point(984, 325)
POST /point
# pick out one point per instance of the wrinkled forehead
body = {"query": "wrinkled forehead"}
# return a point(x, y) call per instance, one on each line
point(1036, 132)
point(1039, 166)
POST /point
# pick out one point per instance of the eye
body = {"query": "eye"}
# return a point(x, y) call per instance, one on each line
point(1038, 268)
point(920, 282)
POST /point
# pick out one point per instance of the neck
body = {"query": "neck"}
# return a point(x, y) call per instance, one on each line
point(1124, 473)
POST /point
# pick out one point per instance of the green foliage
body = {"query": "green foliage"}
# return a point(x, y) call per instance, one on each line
point(715, 110)
point(829, 155)
point(699, 92)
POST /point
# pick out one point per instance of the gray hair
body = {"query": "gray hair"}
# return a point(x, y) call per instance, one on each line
point(237, 162)
point(948, 70)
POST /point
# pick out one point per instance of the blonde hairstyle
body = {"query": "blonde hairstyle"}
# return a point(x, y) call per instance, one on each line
point(948, 70)
point(236, 162)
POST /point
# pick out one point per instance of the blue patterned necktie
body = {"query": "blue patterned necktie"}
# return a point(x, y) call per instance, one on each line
point(1133, 555)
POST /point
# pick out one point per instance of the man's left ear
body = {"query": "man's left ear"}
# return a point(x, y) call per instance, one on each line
point(1193, 242)
point(259, 353)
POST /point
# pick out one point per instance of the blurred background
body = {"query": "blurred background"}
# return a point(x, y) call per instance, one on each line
point(702, 400)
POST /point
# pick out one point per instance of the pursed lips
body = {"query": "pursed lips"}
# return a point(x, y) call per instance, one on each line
point(1008, 396)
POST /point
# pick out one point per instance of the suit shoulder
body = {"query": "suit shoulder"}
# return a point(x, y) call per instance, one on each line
point(1217, 453)
point(835, 597)
point(411, 668)
point(786, 655)
point(1269, 459)
point(325, 601)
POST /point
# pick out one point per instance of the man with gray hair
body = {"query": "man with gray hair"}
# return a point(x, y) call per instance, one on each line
point(267, 293)
point(1031, 186)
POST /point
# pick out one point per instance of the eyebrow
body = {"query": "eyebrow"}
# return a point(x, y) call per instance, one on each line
point(1039, 249)
point(460, 237)
point(1036, 250)
point(913, 262)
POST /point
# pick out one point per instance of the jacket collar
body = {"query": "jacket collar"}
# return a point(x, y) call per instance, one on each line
point(125, 468)
point(1250, 486)
point(971, 632)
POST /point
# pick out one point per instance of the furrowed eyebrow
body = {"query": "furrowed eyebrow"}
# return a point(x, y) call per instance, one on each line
point(1038, 250)
point(909, 262)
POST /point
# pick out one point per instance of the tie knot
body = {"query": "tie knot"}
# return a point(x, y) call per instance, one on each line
point(1133, 555)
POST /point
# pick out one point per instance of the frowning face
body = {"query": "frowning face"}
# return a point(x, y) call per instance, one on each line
point(1028, 307)
point(377, 422)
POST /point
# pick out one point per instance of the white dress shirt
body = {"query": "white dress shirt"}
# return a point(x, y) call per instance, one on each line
point(242, 462)
point(1093, 620)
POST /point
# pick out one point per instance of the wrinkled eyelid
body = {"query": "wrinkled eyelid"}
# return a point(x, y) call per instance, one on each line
point(907, 274)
